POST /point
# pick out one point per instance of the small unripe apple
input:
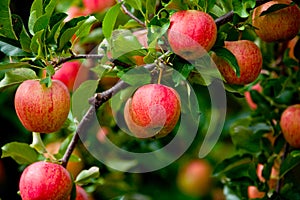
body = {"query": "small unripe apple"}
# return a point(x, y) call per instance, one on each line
point(290, 126)
point(94, 6)
point(248, 98)
point(249, 59)
point(44, 180)
point(153, 110)
point(42, 109)
point(71, 74)
point(195, 178)
point(280, 25)
point(191, 33)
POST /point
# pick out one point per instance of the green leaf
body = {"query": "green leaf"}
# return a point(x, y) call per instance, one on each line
point(25, 40)
point(229, 58)
point(136, 4)
point(150, 8)
point(291, 161)
point(230, 165)
point(42, 22)
point(55, 24)
point(36, 11)
point(274, 8)
point(68, 30)
point(22, 153)
point(5, 66)
point(6, 27)
point(37, 44)
point(16, 76)
point(11, 49)
point(137, 76)
point(85, 176)
point(80, 97)
point(110, 20)
point(242, 7)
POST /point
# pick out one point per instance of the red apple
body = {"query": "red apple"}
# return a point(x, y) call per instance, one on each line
point(44, 180)
point(291, 45)
point(249, 59)
point(94, 6)
point(192, 33)
point(248, 98)
point(71, 74)
point(75, 11)
point(290, 126)
point(194, 178)
point(280, 25)
point(273, 177)
point(153, 110)
point(42, 109)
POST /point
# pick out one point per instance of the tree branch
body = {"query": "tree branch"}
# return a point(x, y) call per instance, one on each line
point(126, 12)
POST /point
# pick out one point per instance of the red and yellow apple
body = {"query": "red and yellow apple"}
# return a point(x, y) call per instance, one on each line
point(40, 108)
point(254, 193)
point(249, 59)
point(44, 180)
point(277, 26)
point(153, 110)
point(292, 45)
point(95, 6)
point(290, 126)
point(81, 193)
point(191, 33)
point(195, 178)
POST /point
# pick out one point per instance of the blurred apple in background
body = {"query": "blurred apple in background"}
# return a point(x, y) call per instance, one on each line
point(195, 178)
point(248, 98)
point(95, 6)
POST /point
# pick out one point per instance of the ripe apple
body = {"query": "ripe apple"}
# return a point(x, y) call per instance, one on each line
point(71, 74)
point(290, 126)
point(280, 25)
point(42, 109)
point(249, 59)
point(94, 6)
point(153, 110)
point(248, 98)
point(191, 33)
point(194, 178)
point(75, 11)
point(44, 180)
point(73, 167)
point(273, 177)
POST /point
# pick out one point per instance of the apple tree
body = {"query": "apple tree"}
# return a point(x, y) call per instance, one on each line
point(154, 99)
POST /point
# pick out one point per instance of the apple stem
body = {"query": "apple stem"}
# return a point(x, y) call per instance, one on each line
point(38, 145)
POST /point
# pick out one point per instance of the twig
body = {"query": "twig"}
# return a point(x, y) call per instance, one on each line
point(285, 153)
point(126, 12)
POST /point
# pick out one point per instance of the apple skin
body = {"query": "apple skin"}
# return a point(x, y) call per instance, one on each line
point(191, 33)
point(71, 74)
point(278, 26)
point(194, 178)
point(41, 109)
point(153, 110)
point(248, 98)
point(249, 59)
point(43, 180)
point(94, 6)
point(290, 126)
